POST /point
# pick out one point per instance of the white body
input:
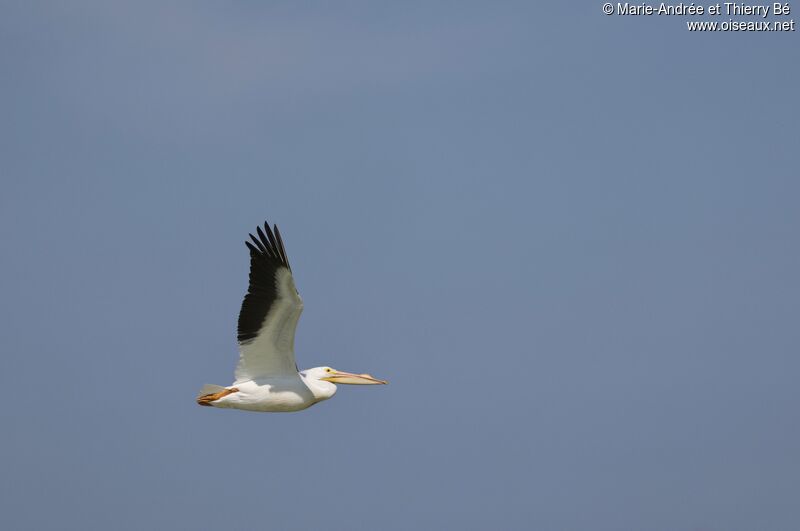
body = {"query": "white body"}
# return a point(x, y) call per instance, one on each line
point(278, 394)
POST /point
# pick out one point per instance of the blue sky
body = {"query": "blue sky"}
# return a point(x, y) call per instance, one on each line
point(568, 240)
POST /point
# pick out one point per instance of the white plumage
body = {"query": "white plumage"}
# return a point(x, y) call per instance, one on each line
point(267, 378)
point(271, 352)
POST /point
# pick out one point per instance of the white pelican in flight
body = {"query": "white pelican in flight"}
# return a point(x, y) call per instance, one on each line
point(267, 378)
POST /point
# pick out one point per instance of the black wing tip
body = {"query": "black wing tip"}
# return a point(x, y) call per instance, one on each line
point(268, 244)
point(246, 337)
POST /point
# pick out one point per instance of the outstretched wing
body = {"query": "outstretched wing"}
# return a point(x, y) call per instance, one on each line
point(270, 311)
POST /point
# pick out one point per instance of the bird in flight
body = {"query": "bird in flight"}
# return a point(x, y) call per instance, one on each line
point(267, 377)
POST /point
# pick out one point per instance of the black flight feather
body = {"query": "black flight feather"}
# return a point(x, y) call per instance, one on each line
point(267, 257)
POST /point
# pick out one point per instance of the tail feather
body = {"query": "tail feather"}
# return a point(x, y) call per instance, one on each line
point(210, 389)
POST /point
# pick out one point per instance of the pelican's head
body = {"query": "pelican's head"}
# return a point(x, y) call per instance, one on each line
point(327, 374)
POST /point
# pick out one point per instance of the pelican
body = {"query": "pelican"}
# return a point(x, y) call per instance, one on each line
point(267, 377)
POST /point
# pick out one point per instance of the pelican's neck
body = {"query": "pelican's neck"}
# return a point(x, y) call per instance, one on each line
point(321, 389)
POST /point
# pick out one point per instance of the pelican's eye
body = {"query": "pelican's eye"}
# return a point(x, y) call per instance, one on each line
point(328, 369)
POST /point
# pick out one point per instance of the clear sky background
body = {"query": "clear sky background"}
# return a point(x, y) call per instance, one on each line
point(568, 240)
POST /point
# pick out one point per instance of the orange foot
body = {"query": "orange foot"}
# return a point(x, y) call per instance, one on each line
point(206, 400)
